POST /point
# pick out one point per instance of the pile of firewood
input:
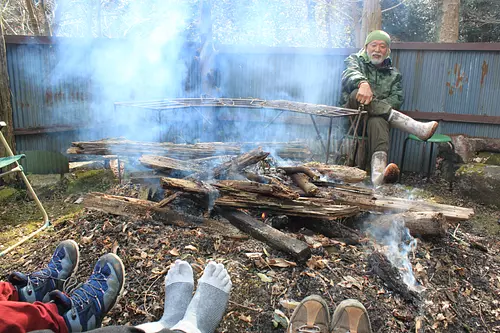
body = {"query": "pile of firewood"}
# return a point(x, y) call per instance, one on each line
point(240, 188)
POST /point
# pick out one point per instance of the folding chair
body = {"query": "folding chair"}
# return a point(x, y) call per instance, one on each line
point(13, 160)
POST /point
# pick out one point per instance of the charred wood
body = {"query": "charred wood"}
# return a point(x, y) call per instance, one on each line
point(341, 173)
point(167, 164)
point(148, 210)
point(273, 190)
point(273, 237)
point(300, 169)
point(390, 275)
point(234, 166)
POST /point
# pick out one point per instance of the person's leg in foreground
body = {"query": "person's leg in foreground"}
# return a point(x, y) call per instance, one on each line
point(312, 315)
point(21, 298)
point(381, 117)
point(202, 313)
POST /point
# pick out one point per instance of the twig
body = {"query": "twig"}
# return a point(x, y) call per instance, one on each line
point(482, 319)
point(147, 292)
point(245, 307)
point(456, 229)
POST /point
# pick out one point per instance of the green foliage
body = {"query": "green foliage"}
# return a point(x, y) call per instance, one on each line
point(480, 21)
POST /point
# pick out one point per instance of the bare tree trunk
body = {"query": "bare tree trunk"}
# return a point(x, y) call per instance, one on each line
point(46, 24)
point(328, 23)
point(5, 102)
point(371, 19)
point(450, 11)
point(33, 22)
point(356, 24)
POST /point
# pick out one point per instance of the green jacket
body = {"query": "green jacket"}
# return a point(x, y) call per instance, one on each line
point(384, 81)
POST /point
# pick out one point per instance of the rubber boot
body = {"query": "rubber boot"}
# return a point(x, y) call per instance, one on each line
point(380, 171)
point(421, 130)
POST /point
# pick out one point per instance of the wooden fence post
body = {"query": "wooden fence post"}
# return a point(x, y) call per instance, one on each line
point(5, 101)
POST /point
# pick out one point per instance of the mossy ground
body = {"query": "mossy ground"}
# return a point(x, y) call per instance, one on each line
point(19, 214)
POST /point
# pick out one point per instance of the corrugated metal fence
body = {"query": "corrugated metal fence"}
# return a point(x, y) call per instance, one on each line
point(57, 96)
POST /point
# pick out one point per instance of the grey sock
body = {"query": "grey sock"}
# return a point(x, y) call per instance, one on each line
point(209, 302)
point(179, 285)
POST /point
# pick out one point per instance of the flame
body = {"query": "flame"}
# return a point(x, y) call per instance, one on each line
point(264, 215)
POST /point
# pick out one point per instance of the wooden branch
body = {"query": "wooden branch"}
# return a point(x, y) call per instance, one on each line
point(163, 163)
point(234, 166)
point(335, 229)
point(273, 237)
point(186, 185)
point(369, 201)
point(148, 210)
point(273, 190)
point(302, 181)
point(168, 200)
point(305, 207)
point(300, 169)
point(382, 268)
point(338, 172)
point(420, 224)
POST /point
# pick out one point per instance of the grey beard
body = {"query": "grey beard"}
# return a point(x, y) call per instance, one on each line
point(376, 61)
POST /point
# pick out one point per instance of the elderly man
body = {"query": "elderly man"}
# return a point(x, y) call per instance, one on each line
point(371, 81)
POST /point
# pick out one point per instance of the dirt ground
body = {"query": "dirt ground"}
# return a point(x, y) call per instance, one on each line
point(462, 284)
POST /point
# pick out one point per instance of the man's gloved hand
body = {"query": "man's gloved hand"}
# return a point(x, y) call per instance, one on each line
point(365, 94)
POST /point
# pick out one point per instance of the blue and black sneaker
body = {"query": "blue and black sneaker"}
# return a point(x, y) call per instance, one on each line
point(86, 305)
point(37, 286)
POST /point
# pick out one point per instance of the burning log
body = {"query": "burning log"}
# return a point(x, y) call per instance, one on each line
point(342, 173)
point(258, 178)
point(274, 190)
point(304, 207)
point(122, 147)
point(302, 181)
point(273, 237)
point(420, 224)
point(335, 229)
point(383, 268)
point(234, 166)
point(367, 200)
point(273, 198)
point(144, 209)
point(168, 164)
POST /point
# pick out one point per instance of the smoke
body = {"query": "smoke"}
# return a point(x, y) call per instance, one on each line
point(157, 56)
point(397, 244)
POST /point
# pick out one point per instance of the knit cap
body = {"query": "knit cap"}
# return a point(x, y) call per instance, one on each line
point(378, 35)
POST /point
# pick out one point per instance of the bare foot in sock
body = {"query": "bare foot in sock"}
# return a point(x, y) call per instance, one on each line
point(179, 285)
point(209, 302)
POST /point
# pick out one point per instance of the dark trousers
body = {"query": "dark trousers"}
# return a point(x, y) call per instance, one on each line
point(378, 126)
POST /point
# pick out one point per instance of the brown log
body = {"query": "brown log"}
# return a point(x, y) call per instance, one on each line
point(234, 166)
point(305, 207)
point(391, 276)
point(168, 200)
point(300, 169)
point(342, 173)
point(122, 147)
point(273, 190)
point(257, 178)
point(163, 163)
point(273, 237)
point(148, 210)
point(367, 200)
point(186, 185)
point(302, 181)
point(420, 224)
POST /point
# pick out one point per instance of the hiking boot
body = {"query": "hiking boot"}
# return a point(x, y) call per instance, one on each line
point(37, 286)
point(85, 307)
point(351, 317)
point(310, 316)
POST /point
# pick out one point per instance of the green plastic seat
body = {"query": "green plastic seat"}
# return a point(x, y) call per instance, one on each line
point(436, 138)
point(6, 161)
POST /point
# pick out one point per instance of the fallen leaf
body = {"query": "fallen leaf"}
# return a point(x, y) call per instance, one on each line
point(254, 255)
point(144, 255)
point(244, 318)
point(264, 277)
point(279, 262)
point(115, 247)
point(281, 318)
point(191, 247)
point(265, 251)
point(289, 304)
point(87, 239)
point(174, 251)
